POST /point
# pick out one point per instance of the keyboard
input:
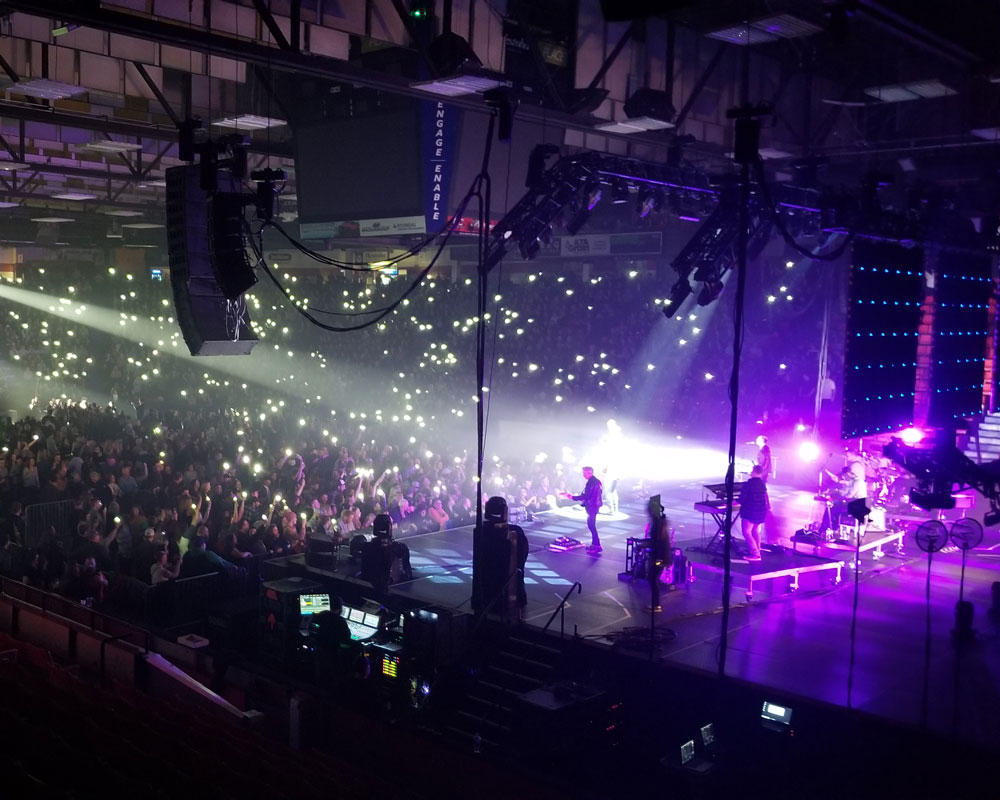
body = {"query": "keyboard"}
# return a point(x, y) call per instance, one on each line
point(714, 506)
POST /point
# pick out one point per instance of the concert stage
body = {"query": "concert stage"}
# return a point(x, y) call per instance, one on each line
point(797, 643)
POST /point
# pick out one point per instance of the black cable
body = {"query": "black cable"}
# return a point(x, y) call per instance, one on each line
point(447, 229)
point(496, 312)
point(780, 225)
point(341, 328)
point(854, 614)
point(927, 640)
point(381, 313)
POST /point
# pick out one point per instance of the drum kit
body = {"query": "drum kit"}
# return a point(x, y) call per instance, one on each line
point(888, 492)
point(888, 485)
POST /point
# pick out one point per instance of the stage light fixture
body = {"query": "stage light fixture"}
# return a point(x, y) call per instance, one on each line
point(593, 195)
point(808, 451)
point(528, 248)
point(710, 291)
point(461, 71)
point(577, 221)
point(649, 201)
point(912, 435)
point(619, 192)
point(679, 292)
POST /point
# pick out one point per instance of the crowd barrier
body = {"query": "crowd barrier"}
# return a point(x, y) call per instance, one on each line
point(39, 518)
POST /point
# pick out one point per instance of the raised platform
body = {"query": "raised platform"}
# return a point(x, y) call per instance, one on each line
point(772, 566)
point(871, 541)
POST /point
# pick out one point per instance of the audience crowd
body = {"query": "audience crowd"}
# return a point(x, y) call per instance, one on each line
point(177, 466)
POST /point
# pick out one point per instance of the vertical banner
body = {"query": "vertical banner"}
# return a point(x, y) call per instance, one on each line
point(439, 132)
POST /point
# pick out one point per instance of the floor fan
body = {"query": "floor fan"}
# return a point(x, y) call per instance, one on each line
point(931, 536)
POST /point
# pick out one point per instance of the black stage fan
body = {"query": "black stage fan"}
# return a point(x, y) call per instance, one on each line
point(931, 536)
point(966, 534)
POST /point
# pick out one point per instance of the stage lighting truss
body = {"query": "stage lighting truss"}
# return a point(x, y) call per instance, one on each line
point(713, 250)
point(578, 182)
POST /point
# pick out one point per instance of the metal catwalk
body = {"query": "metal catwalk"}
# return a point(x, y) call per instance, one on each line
point(794, 641)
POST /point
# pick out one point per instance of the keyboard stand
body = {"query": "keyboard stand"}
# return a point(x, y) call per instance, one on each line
point(716, 542)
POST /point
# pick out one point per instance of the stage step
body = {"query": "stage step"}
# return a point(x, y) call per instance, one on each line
point(983, 445)
point(485, 721)
point(470, 739)
point(511, 666)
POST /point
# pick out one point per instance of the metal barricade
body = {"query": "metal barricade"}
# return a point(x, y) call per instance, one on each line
point(40, 517)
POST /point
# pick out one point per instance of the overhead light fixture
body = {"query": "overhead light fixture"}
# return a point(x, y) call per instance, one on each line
point(249, 122)
point(153, 183)
point(990, 134)
point(742, 35)
point(679, 292)
point(10, 166)
point(619, 127)
point(649, 201)
point(915, 90)
point(893, 93)
point(62, 30)
point(111, 146)
point(9, 204)
point(460, 70)
point(766, 30)
point(46, 89)
point(142, 225)
point(619, 192)
point(78, 196)
point(123, 212)
point(786, 26)
point(461, 84)
point(930, 88)
point(52, 219)
point(710, 291)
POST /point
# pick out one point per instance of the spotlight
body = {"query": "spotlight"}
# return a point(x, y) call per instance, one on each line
point(593, 196)
point(679, 292)
point(710, 291)
point(911, 435)
point(649, 201)
point(529, 248)
point(809, 452)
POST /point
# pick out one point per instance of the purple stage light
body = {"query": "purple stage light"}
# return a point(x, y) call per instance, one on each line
point(912, 435)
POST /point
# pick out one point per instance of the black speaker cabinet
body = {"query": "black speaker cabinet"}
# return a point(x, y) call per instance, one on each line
point(208, 267)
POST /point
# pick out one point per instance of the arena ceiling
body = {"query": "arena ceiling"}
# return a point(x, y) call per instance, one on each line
point(93, 92)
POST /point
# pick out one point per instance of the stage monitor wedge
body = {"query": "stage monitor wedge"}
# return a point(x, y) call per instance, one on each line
point(212, 323)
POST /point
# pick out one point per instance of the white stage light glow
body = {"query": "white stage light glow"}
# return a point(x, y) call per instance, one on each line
point(809, 452)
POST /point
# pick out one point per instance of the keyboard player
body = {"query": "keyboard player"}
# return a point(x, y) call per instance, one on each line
point(754, 505)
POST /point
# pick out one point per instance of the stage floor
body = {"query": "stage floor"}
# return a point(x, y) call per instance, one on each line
point(792, 641)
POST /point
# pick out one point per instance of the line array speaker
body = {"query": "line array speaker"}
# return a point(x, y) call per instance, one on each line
point(209, 270)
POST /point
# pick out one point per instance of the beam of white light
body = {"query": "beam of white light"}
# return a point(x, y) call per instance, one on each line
point(262, 367)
